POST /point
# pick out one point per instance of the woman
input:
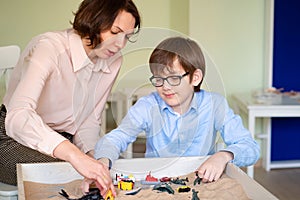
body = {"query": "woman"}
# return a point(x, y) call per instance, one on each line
point(52, 109)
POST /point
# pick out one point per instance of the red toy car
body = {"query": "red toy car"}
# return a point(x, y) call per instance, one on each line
point(165, 179)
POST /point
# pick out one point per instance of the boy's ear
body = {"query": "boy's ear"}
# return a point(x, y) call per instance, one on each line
point(197, 77)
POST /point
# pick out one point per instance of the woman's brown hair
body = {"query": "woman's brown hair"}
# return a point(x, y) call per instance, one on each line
point(96, 16)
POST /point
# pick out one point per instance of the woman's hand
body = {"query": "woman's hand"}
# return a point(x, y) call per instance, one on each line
point(87, 182)
point(213, 167)
point(94, 171)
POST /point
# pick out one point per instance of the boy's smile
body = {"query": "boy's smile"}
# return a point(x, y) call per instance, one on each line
point(177, 97)
point(169, 95)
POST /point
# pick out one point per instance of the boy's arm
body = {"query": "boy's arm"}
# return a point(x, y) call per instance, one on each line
point(137, 120)
point(237, 138)
point(240, 143)
point(112, 144)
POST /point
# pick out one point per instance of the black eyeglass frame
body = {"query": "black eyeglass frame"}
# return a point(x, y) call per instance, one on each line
point(166, 79)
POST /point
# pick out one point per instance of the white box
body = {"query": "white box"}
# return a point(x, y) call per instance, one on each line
point(62, 172)
point(8, 192)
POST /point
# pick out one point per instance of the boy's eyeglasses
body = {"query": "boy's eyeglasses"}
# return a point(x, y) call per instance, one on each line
point(172, 80)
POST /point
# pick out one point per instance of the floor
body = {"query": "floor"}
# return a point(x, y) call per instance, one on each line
point(282, 183)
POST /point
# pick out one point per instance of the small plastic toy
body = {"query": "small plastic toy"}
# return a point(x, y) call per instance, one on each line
point(165, 179)
point(195, 195)
point(93, 194)
point(109, 196)
point(125, 182)
point(164, 187)
point(183, 189)
point(180, 181)
point(151, 178)
point(134, 191)
point(120, 177)
point(197, 179)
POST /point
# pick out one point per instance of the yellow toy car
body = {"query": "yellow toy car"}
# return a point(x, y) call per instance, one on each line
point(109, 196)
point(183, 189)
point(125, 184)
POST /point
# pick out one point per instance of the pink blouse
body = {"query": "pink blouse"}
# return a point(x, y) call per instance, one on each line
point(56, 87)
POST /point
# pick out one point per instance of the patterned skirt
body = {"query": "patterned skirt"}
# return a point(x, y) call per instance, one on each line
point(12, 152)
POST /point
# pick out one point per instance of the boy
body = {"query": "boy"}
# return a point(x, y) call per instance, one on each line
point(179, 119)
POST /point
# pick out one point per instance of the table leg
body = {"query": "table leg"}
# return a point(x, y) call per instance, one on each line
point(251, 127)
point(129, 151)
point(268, 144)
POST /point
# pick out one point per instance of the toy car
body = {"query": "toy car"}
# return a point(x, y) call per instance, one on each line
point(125, 184)
point(109, 196)
point(184, 189)
point(165, 179)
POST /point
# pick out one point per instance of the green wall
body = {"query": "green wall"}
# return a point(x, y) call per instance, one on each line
point(21, 20)
point(231, 31)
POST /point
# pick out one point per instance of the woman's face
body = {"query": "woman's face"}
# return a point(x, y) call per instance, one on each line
point(113, 40)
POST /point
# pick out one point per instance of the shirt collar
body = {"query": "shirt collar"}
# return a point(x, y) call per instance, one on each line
point(78, 54)
point(80, 58)
point(193, 105)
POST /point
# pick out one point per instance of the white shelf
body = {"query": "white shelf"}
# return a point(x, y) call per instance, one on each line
point(285, 164)
point(245, 103)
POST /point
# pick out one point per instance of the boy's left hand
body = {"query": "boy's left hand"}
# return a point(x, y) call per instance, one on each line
point(212, 169)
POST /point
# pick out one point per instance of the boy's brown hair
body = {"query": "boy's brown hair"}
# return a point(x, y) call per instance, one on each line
point(187, 51)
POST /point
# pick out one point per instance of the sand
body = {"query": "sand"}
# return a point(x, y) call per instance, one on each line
point(225, 188)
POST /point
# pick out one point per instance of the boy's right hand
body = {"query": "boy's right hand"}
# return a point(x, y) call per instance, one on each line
point(213, 168)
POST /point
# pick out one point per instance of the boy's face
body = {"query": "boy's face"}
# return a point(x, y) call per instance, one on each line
point(178, 97)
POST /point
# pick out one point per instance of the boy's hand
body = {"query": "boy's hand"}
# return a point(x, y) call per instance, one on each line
point(212, 169)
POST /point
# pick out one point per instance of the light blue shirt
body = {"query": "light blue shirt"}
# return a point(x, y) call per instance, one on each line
point(193, 133)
